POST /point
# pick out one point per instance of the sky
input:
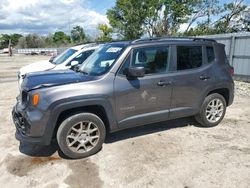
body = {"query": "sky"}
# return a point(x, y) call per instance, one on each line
point(48, 16)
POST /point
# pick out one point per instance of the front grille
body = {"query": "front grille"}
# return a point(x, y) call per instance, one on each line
point(21, 124)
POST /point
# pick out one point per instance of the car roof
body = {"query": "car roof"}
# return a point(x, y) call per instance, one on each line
point(79, 47)
point(93, 47)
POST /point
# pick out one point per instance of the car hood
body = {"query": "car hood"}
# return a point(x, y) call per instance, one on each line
point(52, 78)
point(37, 66)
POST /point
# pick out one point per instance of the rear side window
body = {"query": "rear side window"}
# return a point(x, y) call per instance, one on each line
point(210, 54)
point(189, 57)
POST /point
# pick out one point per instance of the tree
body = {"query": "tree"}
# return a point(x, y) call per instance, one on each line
point(31, 41)
point(127, 18)
point(49, 42)
point(78, 34)
point(175, 13)
point(4, 40)
point(22, 43)
point(105, 33)
point(201, 9)
point(246, 20)
point(157, 17)
point(231, 20)
point(60, 38)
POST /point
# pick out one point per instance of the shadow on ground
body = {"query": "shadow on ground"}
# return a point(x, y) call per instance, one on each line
point(46, 151)
point(149, 129)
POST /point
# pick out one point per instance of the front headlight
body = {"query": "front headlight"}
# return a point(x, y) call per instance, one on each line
point(24, 97)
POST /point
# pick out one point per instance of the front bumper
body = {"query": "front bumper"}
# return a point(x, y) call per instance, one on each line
point(25, 130)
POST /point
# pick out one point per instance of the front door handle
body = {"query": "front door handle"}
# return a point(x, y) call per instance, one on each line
point(203, 77)
point(163, 83)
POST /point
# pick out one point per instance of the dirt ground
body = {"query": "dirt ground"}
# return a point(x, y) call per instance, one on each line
point(169, 154)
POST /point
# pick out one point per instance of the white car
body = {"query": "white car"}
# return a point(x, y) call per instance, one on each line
point(70, 57)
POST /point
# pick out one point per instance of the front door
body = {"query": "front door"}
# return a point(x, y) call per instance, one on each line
point(147, 99)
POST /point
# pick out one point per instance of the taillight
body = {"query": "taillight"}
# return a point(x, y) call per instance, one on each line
point(231, 70)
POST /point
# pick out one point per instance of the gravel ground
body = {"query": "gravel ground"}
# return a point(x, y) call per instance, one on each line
point(168, 154)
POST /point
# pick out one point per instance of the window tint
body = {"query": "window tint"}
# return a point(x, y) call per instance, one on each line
point(210, 54)
point(153, 59)
point(189, 57)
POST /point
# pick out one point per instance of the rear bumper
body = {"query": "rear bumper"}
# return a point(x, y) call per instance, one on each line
point(231, 95)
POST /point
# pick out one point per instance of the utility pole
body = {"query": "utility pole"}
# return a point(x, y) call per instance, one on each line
point(10, 49)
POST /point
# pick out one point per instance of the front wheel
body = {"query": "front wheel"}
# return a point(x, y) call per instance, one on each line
point(81, 135)
point(212, 110)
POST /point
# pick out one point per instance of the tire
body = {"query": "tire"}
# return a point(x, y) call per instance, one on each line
point(84, 131)
point(204, 117)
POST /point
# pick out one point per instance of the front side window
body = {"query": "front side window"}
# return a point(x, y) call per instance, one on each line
point(153, 59)
point(102, 59)
point(64, 56)
point(189, 57)
point(125, 66)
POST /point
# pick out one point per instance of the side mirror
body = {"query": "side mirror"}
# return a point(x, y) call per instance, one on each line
point(51, 59)
point(74, 63)
point(135, 72)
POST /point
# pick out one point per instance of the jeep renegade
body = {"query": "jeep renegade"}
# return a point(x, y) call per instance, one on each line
point(122, 85)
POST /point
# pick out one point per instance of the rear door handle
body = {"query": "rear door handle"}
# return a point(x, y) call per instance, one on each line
point(203, 77)
point(163, 83)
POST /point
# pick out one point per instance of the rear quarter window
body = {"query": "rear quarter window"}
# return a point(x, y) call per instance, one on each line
point(210, 54)
point(189, 57)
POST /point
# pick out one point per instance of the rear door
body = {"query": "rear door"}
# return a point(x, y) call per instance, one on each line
point(144, 100)
point(193, 75)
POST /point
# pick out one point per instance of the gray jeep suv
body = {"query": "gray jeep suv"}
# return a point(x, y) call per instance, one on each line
point(122, 85)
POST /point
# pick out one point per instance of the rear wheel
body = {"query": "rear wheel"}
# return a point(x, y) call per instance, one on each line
point(81, 135)
point(212, 110)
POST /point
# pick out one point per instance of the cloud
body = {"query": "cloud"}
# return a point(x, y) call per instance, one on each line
point(46, 16)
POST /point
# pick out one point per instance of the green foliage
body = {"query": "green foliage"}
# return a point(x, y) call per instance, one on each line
point(127, 18)
point(175, 14)
point(157, 17)
point(60, 38)
point(31, 41)
point(4, 40)
point(231, 20)
point(105, 33)
point(132, 19)
point(78, 34)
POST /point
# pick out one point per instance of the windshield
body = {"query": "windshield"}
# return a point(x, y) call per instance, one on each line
point(63, 56)
point(102, 59)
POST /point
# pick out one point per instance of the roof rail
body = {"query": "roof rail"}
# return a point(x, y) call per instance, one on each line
point(87, 45)
point(172, 38)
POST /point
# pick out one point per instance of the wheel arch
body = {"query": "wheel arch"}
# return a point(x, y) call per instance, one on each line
point(222, 91)
point(100, 107)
